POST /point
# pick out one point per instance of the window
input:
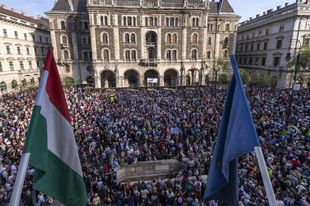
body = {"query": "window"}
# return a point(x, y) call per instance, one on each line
point(174, 54)
point(64, 41)
point(250, 60)
point(5, 33)
point(8, 50)
point(126, 37)
point(105, 38)
point(168, 38)
point(225, 43)
point(35, 51)
point(11, 66)
point(30, 64)
point(16, 34)
point(209, 41)
point(253, 35)
point(146, 21)
point(63, 25)
point(281, 28)
point(242, 37)
point(174, 38)
point(168, 55)
point(40, 37)
point(194, 54)
point(85, 25)
point(21, 64)
point(225, 54)
point(167, 21)
point(241, 48)
point(197, 22)
point(258, 46)
point(101, 20)
point(226, 27)
point(84, 40)
point(85, 55)
point(265, 45)
point(256, 60)
point(151, 54)
point(307, 41)
point(18, 50)
point(106, 54)
point(260, 33)
point(245, 60)
point(46, 39)
point(151, 21)
point(279, 44)
point(247, 36)
point(246, 47)
point(129, 21)
point(133, 38)
point(176, 22)
point(66, 55)
point(267, 31)
point(171, 21)
point(1, 69)
point(133, 55)
point(25, 36)
point(252, 47)
point(194, 38)
point(38, 64)
point(105, 20)
point(276, 61)
point(134, 21)
point(33, 37)
point(90, 55)
point(263, 61)
point(127, 55)
point(208, 55)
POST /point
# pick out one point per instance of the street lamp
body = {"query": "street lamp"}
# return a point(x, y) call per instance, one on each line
point(201, 70)
point(288, 58)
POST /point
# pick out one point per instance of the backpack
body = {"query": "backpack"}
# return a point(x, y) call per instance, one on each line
point(119, 203)
point(198, 186)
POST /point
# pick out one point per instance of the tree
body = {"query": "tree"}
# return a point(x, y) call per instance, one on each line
point(68, 82)
point(304, 58)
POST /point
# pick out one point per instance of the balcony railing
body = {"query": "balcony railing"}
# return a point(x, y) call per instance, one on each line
point(150, 43)
point(148, 62)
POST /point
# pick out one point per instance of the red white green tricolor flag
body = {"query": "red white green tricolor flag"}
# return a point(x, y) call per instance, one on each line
point(51, 143)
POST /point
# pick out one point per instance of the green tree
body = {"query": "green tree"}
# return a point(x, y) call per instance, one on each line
point(68, 82)
point(304, 58)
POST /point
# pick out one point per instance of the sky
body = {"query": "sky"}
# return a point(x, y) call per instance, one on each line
point(244, 8)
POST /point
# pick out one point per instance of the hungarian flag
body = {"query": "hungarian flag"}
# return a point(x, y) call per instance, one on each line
point(51, 143)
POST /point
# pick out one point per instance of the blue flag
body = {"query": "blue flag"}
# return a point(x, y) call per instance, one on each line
point(236, 137)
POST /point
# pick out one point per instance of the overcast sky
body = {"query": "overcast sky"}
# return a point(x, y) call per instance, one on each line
point(244, 8)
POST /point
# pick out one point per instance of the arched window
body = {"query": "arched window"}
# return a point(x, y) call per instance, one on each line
point(227, 27)
point(85, 55)
point(225, 43)
point(197, 21)
point(146, 21)
point(63, 26)
point(171, 21)
point(194, 54)
point(225, 54)
point(66, 55)
point(209, 41)
point(174, 54)
point(124, 20)
point(84, 40)
point(134, 21)
point(129, 21)
point(126, 37)
point(155, 21)
point(151, 21)
point(105, 38)
point(174, 38)
point(194, 38)
point(151, 54)
point(176, 22)
point(208, 55)
point(64, 41)
point(133, 38)
point(211, 27)
point(168, 38)
point(101, 20)
point(193, 21)
point(105, 20)
point(127, 55)
point(167, 22)
point(88, 40)
point(133, 55)
point(106, 54)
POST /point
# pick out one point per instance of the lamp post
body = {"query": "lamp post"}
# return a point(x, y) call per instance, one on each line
point(288, 58)
point(201, 70)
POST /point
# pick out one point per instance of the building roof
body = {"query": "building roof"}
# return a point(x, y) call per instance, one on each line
point(41, 21)
point(225, 7)
point(64, 5)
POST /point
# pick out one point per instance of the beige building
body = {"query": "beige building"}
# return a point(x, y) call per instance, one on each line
point(23, 46)
point(263, 42)
point(121, 43)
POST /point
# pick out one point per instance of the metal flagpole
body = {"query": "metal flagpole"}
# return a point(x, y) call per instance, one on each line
point(267, 183)
point(18, 186)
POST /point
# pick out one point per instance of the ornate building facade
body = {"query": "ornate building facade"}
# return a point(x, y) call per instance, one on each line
point(24, 42)
point(121, 43)
point(263, 42)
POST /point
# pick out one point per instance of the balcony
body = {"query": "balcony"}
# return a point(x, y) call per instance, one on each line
point(23, 71)
point(149, 62)
point(151, 44)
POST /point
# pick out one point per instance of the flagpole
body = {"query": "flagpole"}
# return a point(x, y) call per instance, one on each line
point(19, 183)
point(266, 179)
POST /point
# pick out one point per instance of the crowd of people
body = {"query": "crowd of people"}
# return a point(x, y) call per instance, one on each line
point(139, 126)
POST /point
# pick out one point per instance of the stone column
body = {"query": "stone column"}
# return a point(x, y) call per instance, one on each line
point(141, 81)
point(205, 34)
point(159, 44)
point(217, 44)
point(53, 40)
point(184, 33)
point(116, 43)
point(161, 81)
point(142, 37)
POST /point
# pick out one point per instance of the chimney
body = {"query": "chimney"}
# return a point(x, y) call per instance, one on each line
point(278, 7)
point(264, 13)
point(251, 18)
point(14, 10)
point(257, 15)
point(39, 16)
point(31, 17)
point(24, 14)
point(286, 4)
point(269, 11)
point(3, 6)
